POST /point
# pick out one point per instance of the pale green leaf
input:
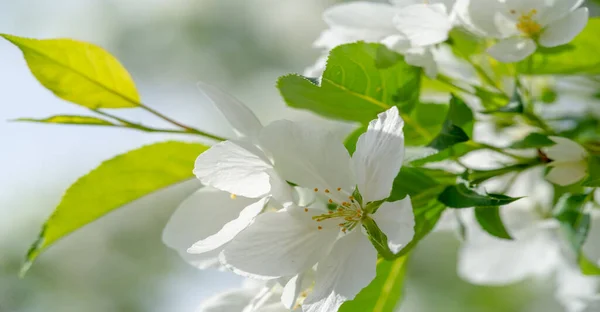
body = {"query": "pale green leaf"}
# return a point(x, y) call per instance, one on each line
point(78, 72)
point(70, 120)
point(114, 183)
point(489, 219)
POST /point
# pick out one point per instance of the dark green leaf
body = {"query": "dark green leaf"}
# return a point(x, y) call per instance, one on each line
point(384, 293)
point(353, 87)
point(533, 140)
point(462, 196)
point(489, 219)
point(457, 127)
point(449, 136)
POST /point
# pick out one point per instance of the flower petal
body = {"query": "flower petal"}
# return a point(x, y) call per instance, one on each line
point(397, 221)
point(349, 268)
point(573, 289)
point(308, 157)
point(278, 244)
point(567, 173)
point(229, 230)
point(512, 50)
point(424, 24)
point(233, 300)
point(565, 29)
point(202, 214)
point(565, 150)
point(236, 167)
point(379, 155)
point(372, 20)
point(422, 57)
point(485, 260)
point(240, 117)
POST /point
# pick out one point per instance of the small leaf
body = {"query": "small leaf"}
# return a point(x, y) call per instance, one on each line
point(533, 140)
point(449, 136)
point(458, 122)
point(354, 87)
point(377, 238)
point(461, 196)
point(70, 120)
point(489, 220)
point(384, 293)
point(114, 183)
point(78, 72)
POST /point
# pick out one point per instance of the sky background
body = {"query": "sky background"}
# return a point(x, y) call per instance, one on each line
point(119, 262)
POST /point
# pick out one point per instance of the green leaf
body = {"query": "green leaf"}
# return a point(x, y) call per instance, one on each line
point(533, 140)
point(411, 181)
point(70, 120)
point(578, 57)
point(78, 72)
point(462, 196)
point(489, 220)
point(352, 138)
point(354, 86)
point(587, 266)
point(114, 183)
point(384, 293)
point(457, 127)
point(593, 179)
point(575, 224)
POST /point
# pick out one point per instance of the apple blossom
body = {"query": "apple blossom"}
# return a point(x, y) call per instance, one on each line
point(522, 25)
point(294, 239)
point(569, 161)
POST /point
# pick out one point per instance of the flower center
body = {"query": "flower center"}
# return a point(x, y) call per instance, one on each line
point(527, 25)
point(349, 212)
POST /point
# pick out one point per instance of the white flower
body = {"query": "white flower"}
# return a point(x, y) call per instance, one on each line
point(241, 181)
point(522, 25)
point(254, 296)
point(294, 239)
point(569, 161)
point(409, 27)
point(538, 248)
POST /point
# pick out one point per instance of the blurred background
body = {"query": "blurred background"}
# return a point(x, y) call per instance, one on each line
point(119, 262)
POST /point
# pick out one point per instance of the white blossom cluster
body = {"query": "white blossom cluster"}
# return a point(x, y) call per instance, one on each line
point(284, 204)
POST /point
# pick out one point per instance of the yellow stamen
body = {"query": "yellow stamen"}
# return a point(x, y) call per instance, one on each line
point(233, 196)
point(527, 25)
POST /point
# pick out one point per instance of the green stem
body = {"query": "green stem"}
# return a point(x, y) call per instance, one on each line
point(136, 126)
point(478, 176)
